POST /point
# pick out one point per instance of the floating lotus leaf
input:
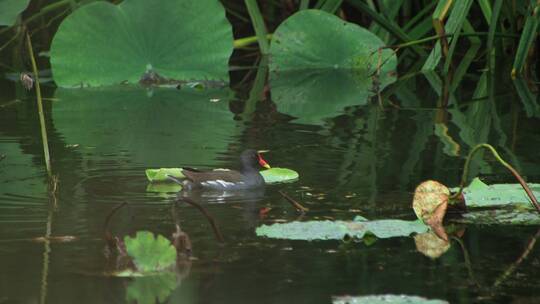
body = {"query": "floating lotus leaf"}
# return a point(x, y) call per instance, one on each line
point(480, 195)
point(321, 64)
point(271, 176)
point(279, 175)
point(336, 230)
point(150, 254)
point(427, 197)
point(160, 175)
point(385, 299)
point(10, 10)
point(106, 44)
point(501, 217)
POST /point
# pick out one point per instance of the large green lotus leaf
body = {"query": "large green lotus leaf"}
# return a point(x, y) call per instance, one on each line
point(149, 253)
point(105, 44)
point(314, 39)
point(337, 230)
point(321, 64)
point(148, 289)
point(385, 299)
point(316, 94)
point(10, 10)
point(478, 195)
point(271, 176)
point(165, 128)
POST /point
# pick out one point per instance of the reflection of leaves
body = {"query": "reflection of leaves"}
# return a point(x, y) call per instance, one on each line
point(430, 245)
point(147, 290)
point(105, 44)
point(156, 130)
point(385, 299)
point(327, 230)
point(149, 253)
point(312, 95)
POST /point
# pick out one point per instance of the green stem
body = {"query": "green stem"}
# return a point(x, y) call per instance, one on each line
point(520, 179)
point(40, 107)
point(258, 23)
point(243, 42)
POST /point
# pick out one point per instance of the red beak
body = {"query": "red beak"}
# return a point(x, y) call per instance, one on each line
point(262, 162)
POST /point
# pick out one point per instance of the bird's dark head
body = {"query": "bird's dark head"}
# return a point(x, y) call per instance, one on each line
point(251, 159)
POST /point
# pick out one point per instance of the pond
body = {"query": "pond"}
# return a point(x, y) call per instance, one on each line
point(360, 160)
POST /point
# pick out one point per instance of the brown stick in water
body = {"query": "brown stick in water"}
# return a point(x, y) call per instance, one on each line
point(294, 203)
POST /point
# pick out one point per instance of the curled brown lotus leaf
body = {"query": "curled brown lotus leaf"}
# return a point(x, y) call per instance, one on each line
point(427, 197)
point(430, 245)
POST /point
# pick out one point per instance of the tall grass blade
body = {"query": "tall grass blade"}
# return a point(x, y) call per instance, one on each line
point(304, 4)
point(486, 8)
point(390, 26)
point(528, 35)
point(527, 97)
point(43, 128)
point(331, 6)
point(453, 26)
point(475, 41)
point(258, 24)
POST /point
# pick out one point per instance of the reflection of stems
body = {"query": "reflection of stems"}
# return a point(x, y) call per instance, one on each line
point(210, 219)
point(294, 203)
point(40, 106)
point(467, 261)
point(502, 162)
point(111, 242)
point(46, 252)
point(521, 258)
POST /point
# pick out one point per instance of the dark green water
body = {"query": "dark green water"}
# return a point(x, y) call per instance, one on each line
point(361, 160)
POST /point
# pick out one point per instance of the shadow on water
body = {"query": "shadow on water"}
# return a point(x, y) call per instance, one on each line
point(353, 156)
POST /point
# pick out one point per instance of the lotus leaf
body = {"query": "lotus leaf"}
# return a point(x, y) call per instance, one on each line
point(385, 299)
point(10, 10)
point(150, 254)
point(479, 195)
point(336, 230)
point(321, 64)
point(501, 217)
point(279, 175)
point(159, 175)
point(105, 44)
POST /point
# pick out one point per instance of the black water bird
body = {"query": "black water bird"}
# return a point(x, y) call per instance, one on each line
point(222, 179)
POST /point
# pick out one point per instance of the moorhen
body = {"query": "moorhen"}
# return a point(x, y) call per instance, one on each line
point(247, 178)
